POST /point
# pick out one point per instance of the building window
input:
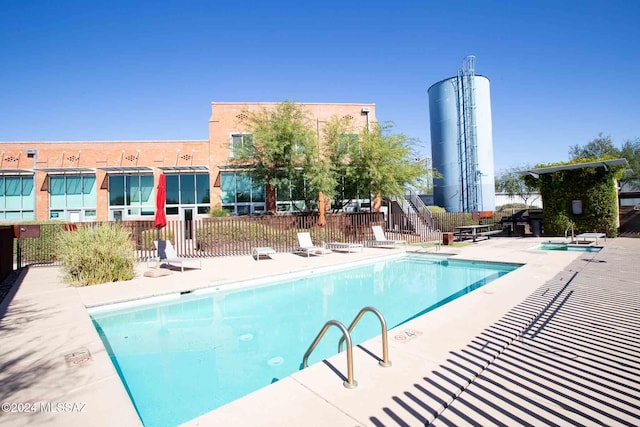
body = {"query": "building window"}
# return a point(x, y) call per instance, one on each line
point(188, 190)
point(238, 142)
point(291, 197)
point(131, 196)
point(17, 198)
point(72, 197)
point(241, 194)
point(346, 141)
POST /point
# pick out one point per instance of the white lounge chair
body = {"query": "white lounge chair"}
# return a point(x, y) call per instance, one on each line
point(167, 254)
point(381, 239)
point(344, 246)
point(307, 247)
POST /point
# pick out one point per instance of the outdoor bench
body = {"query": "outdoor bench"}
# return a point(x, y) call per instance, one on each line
point(489, 233)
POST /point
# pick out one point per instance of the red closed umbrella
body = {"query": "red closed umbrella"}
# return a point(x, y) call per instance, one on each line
point(160, 220)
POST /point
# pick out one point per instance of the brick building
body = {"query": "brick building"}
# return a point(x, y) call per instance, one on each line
point(116, 180)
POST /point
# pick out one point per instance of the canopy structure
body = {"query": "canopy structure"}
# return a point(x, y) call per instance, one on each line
point(596, 164)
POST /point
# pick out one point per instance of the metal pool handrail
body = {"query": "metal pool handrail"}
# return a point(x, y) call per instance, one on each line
point(566, 231)
point(385, 362)
point(350, 383)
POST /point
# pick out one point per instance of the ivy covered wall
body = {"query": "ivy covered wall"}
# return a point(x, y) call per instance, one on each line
point(595, 187)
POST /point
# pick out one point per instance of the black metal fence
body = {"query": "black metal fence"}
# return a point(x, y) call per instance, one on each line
point(212, 237)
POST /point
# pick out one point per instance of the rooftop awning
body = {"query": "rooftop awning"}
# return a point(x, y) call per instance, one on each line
point(68, 171)
point(10, 171)
point(184, 169)
point(235, 168)
point(551, 169)
point(126, 169)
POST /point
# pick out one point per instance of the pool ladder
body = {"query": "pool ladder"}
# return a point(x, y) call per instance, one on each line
point(346, 336)
point(566, 233)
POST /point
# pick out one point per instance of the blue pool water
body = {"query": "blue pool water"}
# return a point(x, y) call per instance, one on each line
point(566, 247)
point(183, 357)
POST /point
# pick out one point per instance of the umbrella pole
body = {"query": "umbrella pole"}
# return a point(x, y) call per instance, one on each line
point(158, 249)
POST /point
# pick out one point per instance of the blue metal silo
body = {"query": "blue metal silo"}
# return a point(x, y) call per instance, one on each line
point(462, 142)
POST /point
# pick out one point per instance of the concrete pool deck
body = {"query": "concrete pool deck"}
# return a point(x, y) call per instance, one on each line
point(554, 342)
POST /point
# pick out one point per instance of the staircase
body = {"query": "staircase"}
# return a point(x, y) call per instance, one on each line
point(416, 212)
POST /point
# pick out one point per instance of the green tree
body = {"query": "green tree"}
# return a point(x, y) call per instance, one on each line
point(339, 142)
point(599, 147)
point(384, 162)
point(284, 149)
point(631, 151)
point(283, 144)
point(320, 175)
point(344, 149)
point(603, 147)
point(513, 183)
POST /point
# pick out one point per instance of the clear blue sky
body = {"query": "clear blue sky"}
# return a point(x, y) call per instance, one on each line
point(561, 71)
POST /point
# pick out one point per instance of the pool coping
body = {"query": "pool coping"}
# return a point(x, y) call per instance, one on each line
point(46, 319)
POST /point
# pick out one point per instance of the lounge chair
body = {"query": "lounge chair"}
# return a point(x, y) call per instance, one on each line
point(381, 239)
point(344, 246)
point(307, 247)
point(167, 254)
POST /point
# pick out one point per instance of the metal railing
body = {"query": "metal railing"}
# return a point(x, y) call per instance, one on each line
point(350, 382)
point(423, 218)
point(385, 362)
point(418, 203)
point(346, 336)
point(213, 237)
point(566, 232)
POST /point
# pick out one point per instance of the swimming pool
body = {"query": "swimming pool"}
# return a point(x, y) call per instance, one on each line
point(188, 354)
point(566, 247)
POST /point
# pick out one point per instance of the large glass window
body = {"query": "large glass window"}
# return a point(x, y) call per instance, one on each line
point(131, 196)
point(290, 197)
point(241, 194)
point(188, 190)
point(243, 188)
point(203, 195)
point(17, 198)
point(116, 190)
point(228, 188)
point(72, 196)
point(173, 189)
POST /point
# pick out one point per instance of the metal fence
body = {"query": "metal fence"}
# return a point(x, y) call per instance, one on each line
point(212, 237)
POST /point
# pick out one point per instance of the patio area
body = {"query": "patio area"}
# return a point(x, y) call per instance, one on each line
point(554, 342)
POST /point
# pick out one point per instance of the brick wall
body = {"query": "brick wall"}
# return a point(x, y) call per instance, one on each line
point(95, 155)
point(226, 118)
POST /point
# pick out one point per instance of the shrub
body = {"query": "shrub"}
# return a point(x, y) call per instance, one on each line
point(40, 249)
point(448, 221)
point(96, 255)
point(219, 212)
point(436, 209)
point(512, 206)
point(148, 236)
point(252, 232)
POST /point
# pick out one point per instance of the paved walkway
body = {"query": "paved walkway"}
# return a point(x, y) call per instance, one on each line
point(567, 355)
point(554, 342)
